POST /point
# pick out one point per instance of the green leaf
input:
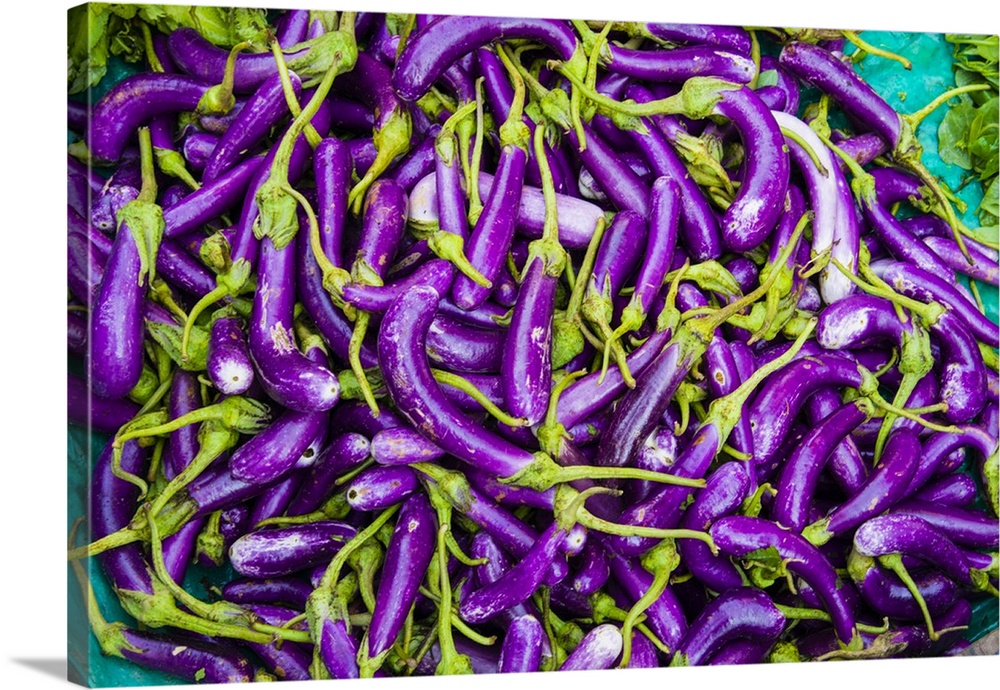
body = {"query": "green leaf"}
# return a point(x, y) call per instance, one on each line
point(952, 134)
point(989, 204)
point(87, 45)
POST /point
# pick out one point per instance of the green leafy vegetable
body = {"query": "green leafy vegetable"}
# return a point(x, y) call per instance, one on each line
point(968, 134)
point(98, 30)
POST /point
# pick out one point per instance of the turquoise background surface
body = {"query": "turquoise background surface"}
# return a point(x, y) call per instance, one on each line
point(907, 91)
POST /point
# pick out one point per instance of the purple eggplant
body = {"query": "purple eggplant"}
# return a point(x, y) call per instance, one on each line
point(408, 554)
point(380, 487)
point(229, 365)
point(281, 551)
point(734, 614)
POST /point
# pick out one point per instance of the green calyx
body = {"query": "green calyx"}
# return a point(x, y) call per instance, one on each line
point(332, 50)
point(171, 336)
point(392, 139)
point(567, 342)
point(451, 248)
point(277, 215)
point(144, 221)
point(172, 163)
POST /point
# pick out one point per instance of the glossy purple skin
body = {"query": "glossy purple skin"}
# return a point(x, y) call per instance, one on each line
point(343, 453)
point(963, 374)
point(665, 617)
point(515, 536)
point(724, 378)
point(194, 660)
point(332, 172)
point(183, 445)
point(113, 502)
point(273, 501)
point(592, 571)
point(494, 230)
point(663, 508)
point(585, 396)
point(800, 473)
point(381, 487)
point(497, 564)
point(273, 452)
point(736, 613)
point(846, 465)
point(665, 200)
point(452, 214)
point(526, 367)
point(181, 270)
point(758, 203)
point(229, 366)
point(518, 584)
point(76, 333)
point(785, 82)
point(885, 593)
point(454, 346)
point(740, 535)
point(522, 646)
point(724, 491)
point(418, 397)
point(819, 67)
point(291, 28)
point(287, 591)
point(370, 82)
point(285, 660)
point(82, 182)
point(288, 375)
point(196, 56)
point(363, 153)
point(406, 559)
point(910, 535)
point(384, 218)
point(402, 446)
point(783, 394)
point(953, 490)
point(508, 494)
point(619, 254)
point(731, 38)
point(637, 412)
point(964, 527)
point(437, 273)
point(84, 267)
point(430, 51)
point(623, 187)
point(901, 244)
point(263, 110)
point(116, 323)
point(351, 116)
point(275, 552)
point(984, 267)
point(211, 201)
point(408, 170)
point(329, 320)
point(680, 64)
point(133, 101)
point(886, 484)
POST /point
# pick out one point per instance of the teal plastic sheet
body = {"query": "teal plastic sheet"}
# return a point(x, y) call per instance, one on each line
point(907, 91)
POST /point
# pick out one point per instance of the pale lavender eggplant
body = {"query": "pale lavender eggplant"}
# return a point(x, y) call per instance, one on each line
point(983, 267)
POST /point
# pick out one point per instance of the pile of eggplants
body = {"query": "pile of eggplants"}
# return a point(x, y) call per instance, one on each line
point(475, 344)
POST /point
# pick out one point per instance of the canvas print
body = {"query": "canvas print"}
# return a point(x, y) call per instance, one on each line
point(410, 344)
